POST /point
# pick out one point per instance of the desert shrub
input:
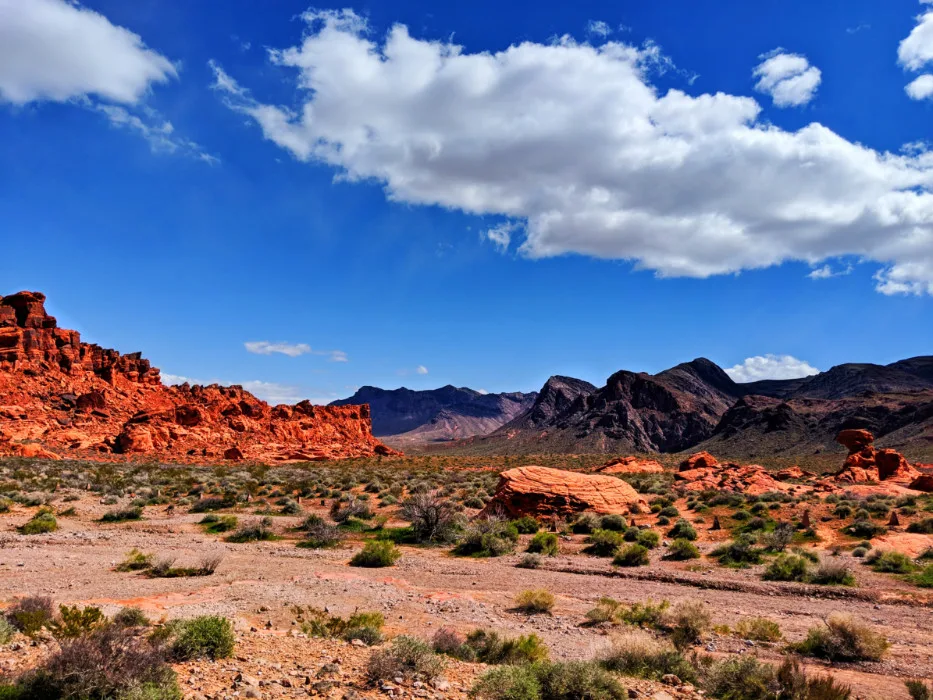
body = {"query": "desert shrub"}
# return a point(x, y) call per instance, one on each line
point(603, 543)
point(843, 638)
point(918, 690)
point(544, 543)
point(122, 515)
point(365, 626)
point(571, 680)
point(165, 568)
point(682, 530)
point(31, 614)
point(682, 550)
point(613, 522)
point(859, 552)
point(648, 539)
point(740, 552)
point(257, 532)
point(743, 678)
point(490, 648)
point(924, 526)
point(433, 519)
point(833, 573)
point(647, 614)
point(135, 561)
point(687, 622)
point(632, 555)
point(207, 636)
point(663, 521)
point(795, 684)
point(585, 523)
point(407, 657)
point(6, 631)
point(606, 610)
point(290, 507)
point(206, 505)
point(353, 508)
point(787, 567)
point(375, 554)
point(487, 537)
point(890, 562)
point(923, 579)
point(216, 524)
point(865, 529)
point(526, 525)
point(778, 539)
point(741, 515)
point(758, 629)
point(131, 617)
point(319, 534)
point(76, 622)
point(535, 601)
point(642, 655)
point(450, 642)
point(529, 561)
point(111, 662)
point(42, 522)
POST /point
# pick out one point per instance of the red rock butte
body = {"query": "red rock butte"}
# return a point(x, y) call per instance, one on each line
point(60, 396)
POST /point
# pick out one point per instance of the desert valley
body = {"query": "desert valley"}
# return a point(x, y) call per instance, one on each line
point(706, 539)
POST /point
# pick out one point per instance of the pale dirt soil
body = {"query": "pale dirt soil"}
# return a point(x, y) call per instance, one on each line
point(257, 584)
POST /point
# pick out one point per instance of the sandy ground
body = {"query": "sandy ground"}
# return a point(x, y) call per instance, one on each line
point(257, 584)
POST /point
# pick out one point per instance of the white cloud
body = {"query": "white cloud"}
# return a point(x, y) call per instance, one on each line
point(916, 50)
point(574, 144)
point(264, 347)
point(599, 28)
point(501, 235)
point(271, 392)
point(58, 50)
point(788, 78)
point(770, 367)
point(920, 88)
point(421, 369)
point(826, 271)
point(159, 133)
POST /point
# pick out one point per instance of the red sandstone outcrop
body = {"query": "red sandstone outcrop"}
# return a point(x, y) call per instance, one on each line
point(751, 478)
point(543, 491)
point(867, 463)
point(700, 460)
point(630, 465)
point(59, 395)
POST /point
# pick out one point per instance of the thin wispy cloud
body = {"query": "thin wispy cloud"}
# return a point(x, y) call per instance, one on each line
point(827, 271)
point(264, 347)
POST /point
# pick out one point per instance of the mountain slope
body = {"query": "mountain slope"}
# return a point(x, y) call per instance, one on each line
point(409, 417)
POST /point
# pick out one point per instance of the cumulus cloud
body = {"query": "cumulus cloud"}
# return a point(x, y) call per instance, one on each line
point(916, 51)
point(421, 369)
point(574, 144)
point(920, 88)
point(54, 50)
point(788, 78)
point(770, 367)
point(598, 28)
point(271, 392)
point(264, 347)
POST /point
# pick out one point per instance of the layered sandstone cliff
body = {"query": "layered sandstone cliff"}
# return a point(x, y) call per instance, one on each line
point(60, 396)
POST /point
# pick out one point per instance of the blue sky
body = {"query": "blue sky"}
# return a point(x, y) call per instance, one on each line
point(476, 193)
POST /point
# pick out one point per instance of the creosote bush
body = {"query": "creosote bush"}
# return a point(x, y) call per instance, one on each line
point(487, 537)
point(572, 680)
point(42, 522)
point(376, 554)
point(758, 629)
point(843, 638)
point(632, 555)
point(489, 647)
point(207, 636)
point(642, 655)
point(407, 657)
point(544, 543)
point(433, 519)
point(30, 614)
point(603, 543)
point(535, 601)
point(365, 626)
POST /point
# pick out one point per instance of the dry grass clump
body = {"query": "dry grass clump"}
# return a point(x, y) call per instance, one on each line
point(843, 638)
point(535, 601)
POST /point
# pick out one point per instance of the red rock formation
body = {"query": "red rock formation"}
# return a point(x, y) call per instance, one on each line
point(700, 460)
point(867, 463)
point(543, 491)
point(751, 478)
point(630, 465)
point(61, 396)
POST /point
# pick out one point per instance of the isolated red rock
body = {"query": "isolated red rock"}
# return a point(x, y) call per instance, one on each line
point(630, 465)
point(855, 440)
point(700, 460)
point(751, 478)
point(542, 491)
point(233, 453)
point(924, 482)
point(51, 384)
point(792, 473)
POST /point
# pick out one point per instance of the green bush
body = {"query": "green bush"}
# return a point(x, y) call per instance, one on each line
point(217, 524)
point(535, 601)
point(122, 515)
point(320, 534)
point(739, 553)
point(75, 622)
point(613, 522)
point(632, 555)
point(641, 655)
point(603, 543)
point(923, 579)
point(843, 639)
point(924, 527)
point(743, 678)
point(131, 617)
point(488, 537)
point(682, 530)
point(682, 550)
point(135, 561)
point(890, 562)
point(758, 629)
point(648, 539)
point(787, 567)
point(30, 614)
point(585, 523)
point(833, 573)
point(571, 680)
point(375, 554)
point(7, 631)
point(490, 648)
point(407, 657)
point(544, 543)
point(647, 614)
point(687, 622)
point(208, 636)
point(42, 522)
point(258, 532)
point(526, 525)
point(365, 626)
point(865, 529)
point(918, 690)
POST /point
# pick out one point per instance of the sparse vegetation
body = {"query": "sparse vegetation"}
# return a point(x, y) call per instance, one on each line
point(544, 543)
point(406, 657)
point(843, 638)
point(549, 681)
point(758, 629)
point(376, 553)
point(535, 601)
point(208, 636)
point(41, 523)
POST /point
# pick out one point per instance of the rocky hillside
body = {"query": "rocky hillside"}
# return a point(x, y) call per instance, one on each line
point(696, 405)
point(407, 417)
point(60, 396)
